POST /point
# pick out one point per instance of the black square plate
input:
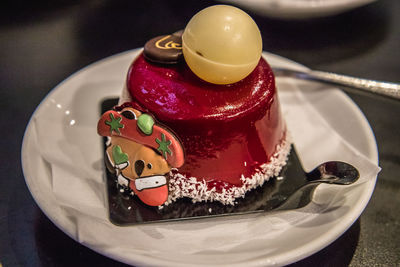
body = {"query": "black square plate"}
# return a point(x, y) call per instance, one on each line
point(125, 209)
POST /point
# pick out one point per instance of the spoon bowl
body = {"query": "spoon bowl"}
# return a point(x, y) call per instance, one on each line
point(331, 172)
point(334, 172)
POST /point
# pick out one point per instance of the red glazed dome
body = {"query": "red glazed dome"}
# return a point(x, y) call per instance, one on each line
point(228, 132)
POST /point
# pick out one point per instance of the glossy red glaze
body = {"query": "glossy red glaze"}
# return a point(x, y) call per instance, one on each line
point(227, 130)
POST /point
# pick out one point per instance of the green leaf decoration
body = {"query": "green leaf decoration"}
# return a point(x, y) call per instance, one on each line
point(114, 123)
point(119, 156)
point(145, 123)
point(163, 145)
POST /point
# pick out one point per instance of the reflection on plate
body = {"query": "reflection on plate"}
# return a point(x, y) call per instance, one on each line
point(298, 9)
point(62, 163)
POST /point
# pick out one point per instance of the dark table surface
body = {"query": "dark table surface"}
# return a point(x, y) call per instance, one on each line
point(42, 42)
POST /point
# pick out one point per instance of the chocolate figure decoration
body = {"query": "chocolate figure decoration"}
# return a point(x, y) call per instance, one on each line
point(140, 153)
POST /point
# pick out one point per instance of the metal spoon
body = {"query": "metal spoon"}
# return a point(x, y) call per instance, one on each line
point(387, 89)
point(332, 172)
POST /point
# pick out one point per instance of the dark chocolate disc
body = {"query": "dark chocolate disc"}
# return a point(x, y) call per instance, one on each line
point(165, 49)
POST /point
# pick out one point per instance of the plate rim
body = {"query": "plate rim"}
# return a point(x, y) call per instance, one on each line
point(301, 9)
point(282, 258)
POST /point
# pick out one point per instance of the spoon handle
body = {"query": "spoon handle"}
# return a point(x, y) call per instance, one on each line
point(377, 87)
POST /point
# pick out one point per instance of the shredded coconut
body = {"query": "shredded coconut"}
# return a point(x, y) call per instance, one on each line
point(181, 186)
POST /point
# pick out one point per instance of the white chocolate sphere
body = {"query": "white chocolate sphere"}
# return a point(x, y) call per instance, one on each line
point(222, 44)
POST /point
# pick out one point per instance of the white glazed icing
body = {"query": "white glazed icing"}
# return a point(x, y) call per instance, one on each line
point(150, 182)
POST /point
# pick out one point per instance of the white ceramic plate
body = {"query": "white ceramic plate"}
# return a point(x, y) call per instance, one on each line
point(299, 9)
point(62, 163)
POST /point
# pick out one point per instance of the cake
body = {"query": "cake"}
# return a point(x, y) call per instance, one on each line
point(194, 123)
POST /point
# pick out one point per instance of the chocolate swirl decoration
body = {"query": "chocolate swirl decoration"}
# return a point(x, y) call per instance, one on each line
point(165, 49)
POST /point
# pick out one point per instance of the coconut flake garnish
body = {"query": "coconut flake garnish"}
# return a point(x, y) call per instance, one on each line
point(181, 186)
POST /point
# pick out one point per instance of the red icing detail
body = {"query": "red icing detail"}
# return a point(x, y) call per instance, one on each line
point(152, 196)
point(227, 130)
point(132, 132)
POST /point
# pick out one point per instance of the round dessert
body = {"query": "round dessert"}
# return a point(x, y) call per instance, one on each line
point(232, 134)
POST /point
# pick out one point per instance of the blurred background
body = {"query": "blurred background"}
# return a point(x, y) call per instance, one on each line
point(44, 42)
